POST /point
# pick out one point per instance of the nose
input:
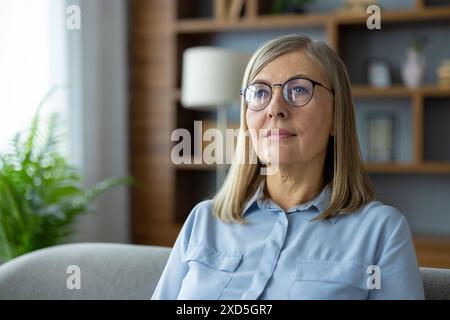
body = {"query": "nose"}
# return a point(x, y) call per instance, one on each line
point(277, 107)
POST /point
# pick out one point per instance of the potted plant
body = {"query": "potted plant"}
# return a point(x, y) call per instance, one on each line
point(41, 194)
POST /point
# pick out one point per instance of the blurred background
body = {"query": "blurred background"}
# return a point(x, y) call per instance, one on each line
point(120, 71)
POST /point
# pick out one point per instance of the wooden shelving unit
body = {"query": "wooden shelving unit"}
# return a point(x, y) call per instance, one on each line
point(433, 251)
point(398, 168)
point(421, 168)
point(162, 29)
point(425, 91)
point(211, 25)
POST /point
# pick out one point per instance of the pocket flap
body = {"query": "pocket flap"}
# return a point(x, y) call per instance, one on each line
point(348, 273)
point(213, 258)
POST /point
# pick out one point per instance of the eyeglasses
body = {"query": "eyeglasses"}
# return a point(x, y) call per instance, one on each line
point(297, 92)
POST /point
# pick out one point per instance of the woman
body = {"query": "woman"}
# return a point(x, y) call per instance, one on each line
point(309, 229)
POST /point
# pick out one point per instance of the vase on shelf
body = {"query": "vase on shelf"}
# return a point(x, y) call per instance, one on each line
point(414, 66)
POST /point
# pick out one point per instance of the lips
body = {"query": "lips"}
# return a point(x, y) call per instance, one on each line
point(279, 133)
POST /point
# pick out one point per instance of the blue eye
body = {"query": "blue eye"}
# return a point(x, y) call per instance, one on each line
point(299, 90)
point(260, 93)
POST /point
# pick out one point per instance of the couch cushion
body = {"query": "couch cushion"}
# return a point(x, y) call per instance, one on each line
point(107, 271)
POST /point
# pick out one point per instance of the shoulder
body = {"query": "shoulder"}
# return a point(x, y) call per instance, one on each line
point(376, 210)
point(202, 209)
point(374, 213)
point(383, 219)
point(201, 214)
point(381, 214)
point(375, 217)
point(202, 225)
point(377, 227)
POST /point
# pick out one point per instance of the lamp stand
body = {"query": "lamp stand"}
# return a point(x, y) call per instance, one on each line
point(222, 118)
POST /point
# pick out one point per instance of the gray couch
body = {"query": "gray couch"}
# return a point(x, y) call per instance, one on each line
point(107, 271)
point(115, 271)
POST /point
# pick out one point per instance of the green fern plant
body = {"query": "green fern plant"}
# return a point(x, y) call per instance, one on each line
point(41, 194)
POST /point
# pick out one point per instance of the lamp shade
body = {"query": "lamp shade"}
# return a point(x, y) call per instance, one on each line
point(211, 76)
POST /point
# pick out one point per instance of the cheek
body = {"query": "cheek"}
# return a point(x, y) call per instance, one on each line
point(307, 122)
point(255, 120)
point(314, 125)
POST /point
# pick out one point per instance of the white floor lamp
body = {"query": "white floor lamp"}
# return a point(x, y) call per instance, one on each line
point(211, 80)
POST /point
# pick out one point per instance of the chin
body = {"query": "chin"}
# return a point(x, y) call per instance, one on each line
point(285, 157)
point(285, 163)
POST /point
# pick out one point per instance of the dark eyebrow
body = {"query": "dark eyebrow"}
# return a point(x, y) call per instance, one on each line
point(300, 75)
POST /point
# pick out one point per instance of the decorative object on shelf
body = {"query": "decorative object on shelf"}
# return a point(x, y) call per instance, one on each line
point(41, 194)
point(289, 6)
point(379, 72)
point(236, 8)
point(356, 6)
point(211, 80)
point(414, 66)
point(221, 8)
point(228, 9)
point(381, 133)
point(443, 73)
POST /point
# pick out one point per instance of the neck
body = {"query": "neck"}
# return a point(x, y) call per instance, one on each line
point(295, 183)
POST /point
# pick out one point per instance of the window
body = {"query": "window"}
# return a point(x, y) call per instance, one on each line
point(32, 61)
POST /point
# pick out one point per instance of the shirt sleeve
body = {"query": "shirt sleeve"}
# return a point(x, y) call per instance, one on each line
point(399, 271)
point(169, 283)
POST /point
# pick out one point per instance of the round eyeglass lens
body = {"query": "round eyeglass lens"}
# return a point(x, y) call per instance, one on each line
point(257, 96)
point(298, 92)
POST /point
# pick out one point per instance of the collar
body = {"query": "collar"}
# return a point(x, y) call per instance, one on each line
point(257, 196)
point(319, 203)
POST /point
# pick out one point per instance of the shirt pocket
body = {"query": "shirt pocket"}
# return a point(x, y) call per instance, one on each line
point(323, 280)
point(209, 273)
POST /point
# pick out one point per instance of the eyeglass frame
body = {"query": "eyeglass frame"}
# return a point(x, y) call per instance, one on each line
point(314, 84)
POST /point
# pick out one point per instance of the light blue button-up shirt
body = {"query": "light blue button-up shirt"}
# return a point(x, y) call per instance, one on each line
point(368, 254)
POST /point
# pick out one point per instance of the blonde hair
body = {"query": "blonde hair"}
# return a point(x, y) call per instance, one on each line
point(343, 168)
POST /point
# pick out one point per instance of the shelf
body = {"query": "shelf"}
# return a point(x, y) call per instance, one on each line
point(392, 91)
point(209, 25)
point(397, 16)
point(400, 91)
point(432, 251)
point(434, 91)
point(420, 168)
point(262, 22)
